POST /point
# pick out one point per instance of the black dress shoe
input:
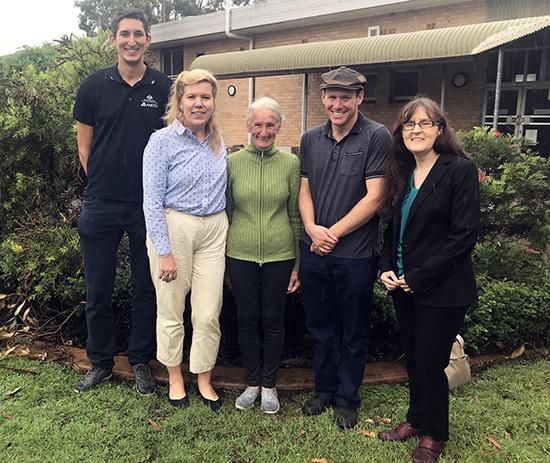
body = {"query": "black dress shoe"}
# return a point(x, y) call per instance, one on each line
point(215, 405)
point(345, 417)
point(179, 403)
point(315, 406)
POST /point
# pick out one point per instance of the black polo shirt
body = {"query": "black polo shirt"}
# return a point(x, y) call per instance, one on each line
point(123, 118)
point(336, 172)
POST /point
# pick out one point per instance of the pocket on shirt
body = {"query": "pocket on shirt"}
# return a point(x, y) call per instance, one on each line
point(351, 164)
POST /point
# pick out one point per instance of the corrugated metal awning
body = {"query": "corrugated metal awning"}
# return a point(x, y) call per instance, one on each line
point(461, 41)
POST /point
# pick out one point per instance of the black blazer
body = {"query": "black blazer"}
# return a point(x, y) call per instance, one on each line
point(440, 233)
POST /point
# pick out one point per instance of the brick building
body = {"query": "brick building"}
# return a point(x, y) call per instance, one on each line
point(476, 57)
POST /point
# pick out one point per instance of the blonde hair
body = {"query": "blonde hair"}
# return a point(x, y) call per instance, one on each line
point(265, 102)
point(173, 112)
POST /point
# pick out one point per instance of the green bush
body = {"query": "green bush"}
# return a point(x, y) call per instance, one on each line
point(511, 261)
point(509, 313)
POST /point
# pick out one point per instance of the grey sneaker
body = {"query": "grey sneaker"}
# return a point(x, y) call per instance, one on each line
point(270, 401)
point(145, 383)
point(92, 378)
point(247, 398)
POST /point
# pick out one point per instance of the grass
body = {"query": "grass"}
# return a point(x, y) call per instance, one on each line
point(45, 421)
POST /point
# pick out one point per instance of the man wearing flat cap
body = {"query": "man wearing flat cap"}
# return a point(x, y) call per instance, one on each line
point(342, 181)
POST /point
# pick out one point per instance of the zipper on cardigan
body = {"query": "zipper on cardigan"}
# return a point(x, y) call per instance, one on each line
point(261, 184)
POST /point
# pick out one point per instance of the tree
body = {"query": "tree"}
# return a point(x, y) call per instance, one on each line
point(41, 58)
point(96, 14)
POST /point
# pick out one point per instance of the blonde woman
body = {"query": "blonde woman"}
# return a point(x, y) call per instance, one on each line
point(184, 182)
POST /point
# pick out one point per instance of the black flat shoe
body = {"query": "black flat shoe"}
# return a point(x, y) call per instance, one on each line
point(215, 405)
point(179, 403)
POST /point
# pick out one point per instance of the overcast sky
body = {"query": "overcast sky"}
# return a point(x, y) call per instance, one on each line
point(33, 22)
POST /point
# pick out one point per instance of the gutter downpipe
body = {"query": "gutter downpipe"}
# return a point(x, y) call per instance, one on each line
point(231, 35)
point(443, 88)
point(497, 88)
point(304, 102)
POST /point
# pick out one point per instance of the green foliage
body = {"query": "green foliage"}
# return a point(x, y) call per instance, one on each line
point(47, 260)
point(39, 186)
point(509, 313)
point(40, 58)
point(509, 261)
point(384, 332)
point(492, 149)
point(515, 187)
point(511, 257)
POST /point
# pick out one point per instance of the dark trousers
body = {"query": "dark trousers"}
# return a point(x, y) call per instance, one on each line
point(101, 226)
point(337, 295)
point(259, 293)
point(427, 336)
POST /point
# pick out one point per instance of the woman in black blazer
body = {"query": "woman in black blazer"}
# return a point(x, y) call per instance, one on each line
point(431, 203)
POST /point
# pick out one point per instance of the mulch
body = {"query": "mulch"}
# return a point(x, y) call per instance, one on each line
point(289, 379)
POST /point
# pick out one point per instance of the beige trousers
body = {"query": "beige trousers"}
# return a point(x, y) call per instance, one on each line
point(198, 245)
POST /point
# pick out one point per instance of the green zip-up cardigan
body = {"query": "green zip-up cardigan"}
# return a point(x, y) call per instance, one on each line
point(262, 205)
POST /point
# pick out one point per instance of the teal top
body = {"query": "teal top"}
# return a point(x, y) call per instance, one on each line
point(262, 205)
point(405, 209)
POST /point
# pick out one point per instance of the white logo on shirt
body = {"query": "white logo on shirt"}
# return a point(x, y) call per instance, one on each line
point(149, 102)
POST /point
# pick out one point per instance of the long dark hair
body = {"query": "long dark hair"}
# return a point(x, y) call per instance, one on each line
point(400, 161)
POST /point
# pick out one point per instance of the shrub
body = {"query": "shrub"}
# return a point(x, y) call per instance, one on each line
point(504, 260)
point(515, 188)
point(509, 313)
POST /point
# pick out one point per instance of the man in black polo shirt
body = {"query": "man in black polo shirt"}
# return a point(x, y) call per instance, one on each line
point(342, 168)
point(116, 110)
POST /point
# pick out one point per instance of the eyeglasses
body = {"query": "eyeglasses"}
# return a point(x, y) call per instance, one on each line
point(425, 124)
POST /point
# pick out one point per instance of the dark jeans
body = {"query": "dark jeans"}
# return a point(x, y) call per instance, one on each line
point(427, 336)
point(337, 296)
point(259, 293)
point(101, 226)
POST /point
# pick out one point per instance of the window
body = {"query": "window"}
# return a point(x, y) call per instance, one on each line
point(172, 61)
point(370, 90)
point(404, 85)
point(520, 66)
point(373, 31)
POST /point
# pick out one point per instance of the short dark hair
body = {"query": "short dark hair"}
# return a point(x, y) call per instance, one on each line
point(130, 13)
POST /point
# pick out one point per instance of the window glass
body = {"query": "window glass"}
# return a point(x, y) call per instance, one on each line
point(167, 63)
point(177, 61)
point(370, 91)
point(172, 61)
point(405, 85)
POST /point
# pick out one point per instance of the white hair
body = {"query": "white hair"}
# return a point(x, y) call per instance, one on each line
point(267, 103)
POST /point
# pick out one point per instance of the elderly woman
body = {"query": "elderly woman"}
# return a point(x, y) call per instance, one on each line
point(262, 248)
point(432, 204)
point(184, 182)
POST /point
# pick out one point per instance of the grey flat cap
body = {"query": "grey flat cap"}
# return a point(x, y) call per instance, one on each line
point(343, 77)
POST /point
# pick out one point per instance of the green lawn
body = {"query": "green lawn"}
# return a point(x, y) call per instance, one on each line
point(45, 421)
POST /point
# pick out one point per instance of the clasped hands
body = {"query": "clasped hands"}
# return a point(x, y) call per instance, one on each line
point(323, 239)
point(391, 282)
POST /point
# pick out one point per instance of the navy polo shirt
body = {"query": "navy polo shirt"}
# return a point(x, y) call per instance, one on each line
point(123, 118)
point(336, 172)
